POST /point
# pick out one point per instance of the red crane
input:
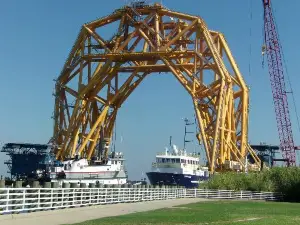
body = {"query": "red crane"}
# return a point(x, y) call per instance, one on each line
point(274, 57)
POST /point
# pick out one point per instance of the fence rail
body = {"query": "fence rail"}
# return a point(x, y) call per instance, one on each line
point(13, 200)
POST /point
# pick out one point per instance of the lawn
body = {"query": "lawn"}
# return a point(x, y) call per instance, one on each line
point(218, 212)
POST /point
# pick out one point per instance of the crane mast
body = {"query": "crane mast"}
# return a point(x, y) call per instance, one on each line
point(274, 57)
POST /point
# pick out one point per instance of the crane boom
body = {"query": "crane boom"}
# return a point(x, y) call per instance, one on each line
point(274, 56)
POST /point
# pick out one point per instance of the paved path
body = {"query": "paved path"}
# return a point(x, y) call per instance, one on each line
point(76, 215)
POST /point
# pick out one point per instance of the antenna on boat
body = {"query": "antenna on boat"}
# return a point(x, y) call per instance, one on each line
point(170, 141)
point(195, 122)
point(115, 137)
point(187, 123)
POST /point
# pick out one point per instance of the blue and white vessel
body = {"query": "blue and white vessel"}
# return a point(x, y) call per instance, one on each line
point(177, 167)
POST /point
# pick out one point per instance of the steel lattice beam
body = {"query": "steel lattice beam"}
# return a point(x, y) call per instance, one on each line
point(100, 74)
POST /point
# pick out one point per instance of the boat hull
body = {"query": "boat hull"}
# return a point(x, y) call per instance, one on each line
point(186, 180)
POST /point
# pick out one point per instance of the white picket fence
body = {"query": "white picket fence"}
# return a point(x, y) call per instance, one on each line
point(13, 200)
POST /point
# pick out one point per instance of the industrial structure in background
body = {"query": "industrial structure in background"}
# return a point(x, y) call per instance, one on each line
point(25, 159)
point(102, 70)
point(267, 153)
point(277, 77)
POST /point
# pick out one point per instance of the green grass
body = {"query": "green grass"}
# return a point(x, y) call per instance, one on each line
point(217, 212)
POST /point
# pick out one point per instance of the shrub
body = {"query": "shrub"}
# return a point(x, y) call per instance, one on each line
point(283, 180)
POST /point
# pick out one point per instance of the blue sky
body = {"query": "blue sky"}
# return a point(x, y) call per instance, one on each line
point(37, 36)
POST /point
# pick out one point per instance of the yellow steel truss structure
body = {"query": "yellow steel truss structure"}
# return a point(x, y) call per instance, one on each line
point(103, 69)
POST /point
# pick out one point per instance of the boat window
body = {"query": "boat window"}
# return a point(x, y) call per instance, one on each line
point(163, 160)
point(183, 161)
point(177, 160)
point(173, 160)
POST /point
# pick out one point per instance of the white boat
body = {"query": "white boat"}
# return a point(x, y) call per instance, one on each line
point(94, 171)
point(177, 167)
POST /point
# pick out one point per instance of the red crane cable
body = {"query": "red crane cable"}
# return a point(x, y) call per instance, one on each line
point(279, 92)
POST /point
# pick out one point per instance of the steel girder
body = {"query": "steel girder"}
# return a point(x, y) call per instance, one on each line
point(102, 71)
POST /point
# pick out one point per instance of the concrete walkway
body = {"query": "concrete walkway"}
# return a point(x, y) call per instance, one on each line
point(76, 215)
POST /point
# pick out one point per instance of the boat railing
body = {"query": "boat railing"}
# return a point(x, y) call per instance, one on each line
point(182, 155)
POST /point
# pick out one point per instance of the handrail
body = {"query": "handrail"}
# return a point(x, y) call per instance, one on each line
point(14, 200)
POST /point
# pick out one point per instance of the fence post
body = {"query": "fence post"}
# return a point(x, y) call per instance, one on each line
point(98, 195)
point(51, 198)
point(241, 194)
point(7, 199)
point(90, 197)
point(54, 185)
point(66, 194)
point(24, 199)
point(39, 197)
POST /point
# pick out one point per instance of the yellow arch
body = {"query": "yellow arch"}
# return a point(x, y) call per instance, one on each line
point(100, 73)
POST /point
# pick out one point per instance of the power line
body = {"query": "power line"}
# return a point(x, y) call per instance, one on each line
point(250, 37)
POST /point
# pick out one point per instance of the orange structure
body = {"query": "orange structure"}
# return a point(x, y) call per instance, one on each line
point(103, 70)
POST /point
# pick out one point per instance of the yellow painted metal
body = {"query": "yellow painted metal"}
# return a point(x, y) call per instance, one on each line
point(147, 40)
